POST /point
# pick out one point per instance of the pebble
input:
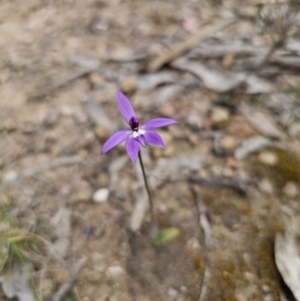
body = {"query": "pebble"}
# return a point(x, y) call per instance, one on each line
point(172, 293)
point(195, 120)
point(219, 117)
point(96, 80)
point(228, 143)
point(268, 158)
point(129, 84)
point(100, 195)
point(10, 176)
point(266, 288)
point(291, 190)
point(193, 245)
point(101, 133)
point(266, 186)
point(114, 271)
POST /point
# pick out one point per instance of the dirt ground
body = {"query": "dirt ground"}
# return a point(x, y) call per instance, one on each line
point(228, 181)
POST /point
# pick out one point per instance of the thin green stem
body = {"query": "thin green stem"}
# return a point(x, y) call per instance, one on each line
point(148, 191)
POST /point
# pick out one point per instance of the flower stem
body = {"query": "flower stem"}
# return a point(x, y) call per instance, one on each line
point(154, 223)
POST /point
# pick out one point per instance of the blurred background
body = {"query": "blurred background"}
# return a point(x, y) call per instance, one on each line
point(74, 224)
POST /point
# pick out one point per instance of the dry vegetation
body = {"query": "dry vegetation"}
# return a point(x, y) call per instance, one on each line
point(75, 225)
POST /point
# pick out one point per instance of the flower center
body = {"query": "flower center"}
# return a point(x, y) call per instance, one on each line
point(134, 123)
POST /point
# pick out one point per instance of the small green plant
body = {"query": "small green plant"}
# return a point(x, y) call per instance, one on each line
point(165, 236)
point(17, 251)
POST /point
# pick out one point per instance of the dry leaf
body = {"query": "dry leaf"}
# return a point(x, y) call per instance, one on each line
point(183, 165)
point(250, 146)
point(127, 55)
point(163, 95)
point(84, 61)
point(288, 261)
point(149, 81)
point(223, 81)
point(262, 122)
point(212, 79)
point(15, 284)
point(61, 223)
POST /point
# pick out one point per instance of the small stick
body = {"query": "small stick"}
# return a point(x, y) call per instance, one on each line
point(154, 222)
point(204, 225)
point(57, 162)
point(65, 288)
point(205, 31)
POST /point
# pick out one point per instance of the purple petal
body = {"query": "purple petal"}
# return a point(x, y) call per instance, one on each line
point(115, 139)
point(132, 147)
point(154, 138)
point(157, 122)
point(125, 107)
point(141, 140)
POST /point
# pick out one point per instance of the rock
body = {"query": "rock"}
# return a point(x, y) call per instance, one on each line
point(195, 120)
point(114, 271)
point(227, 143)
point(193, 245)
point(129, 84)
point(266, 186)
point(268, 158)
point(96, 80)
point(291, 190)
point(219, 117)
point(10, 176)
point(100, 195)
point(101, 133)
point(172, 293)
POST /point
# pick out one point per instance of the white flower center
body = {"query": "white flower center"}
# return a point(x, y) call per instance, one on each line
point(138, 133)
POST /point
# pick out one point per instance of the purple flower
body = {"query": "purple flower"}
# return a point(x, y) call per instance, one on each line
point(139, 134)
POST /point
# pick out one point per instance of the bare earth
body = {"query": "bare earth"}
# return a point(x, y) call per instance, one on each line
point(62, 62)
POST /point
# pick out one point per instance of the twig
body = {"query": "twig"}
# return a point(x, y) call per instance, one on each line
point(220, 182)
point(270, 53)
point(66, 286)
point(31, 172)
point(50, 90)
point(179, 49)
point(52, 164)
point(204, 225)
